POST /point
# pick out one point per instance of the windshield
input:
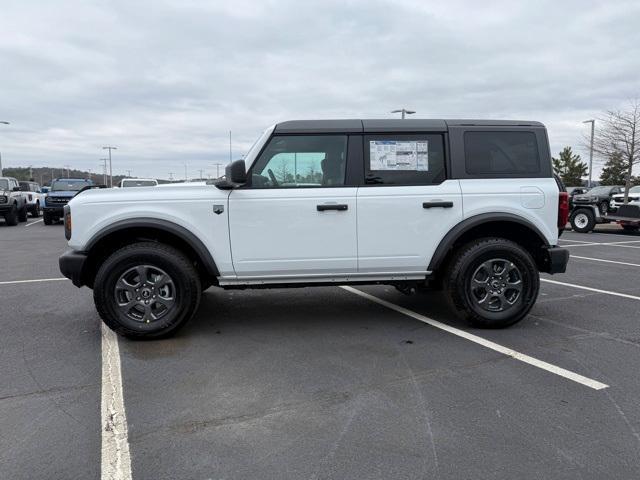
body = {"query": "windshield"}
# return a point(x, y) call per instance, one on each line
point(4, 184)
point(139, 183)
point(68, 185)
point(600, 190)
point(635, 189)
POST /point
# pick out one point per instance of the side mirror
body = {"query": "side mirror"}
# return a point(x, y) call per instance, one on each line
point(16, 189)
point(236, 172)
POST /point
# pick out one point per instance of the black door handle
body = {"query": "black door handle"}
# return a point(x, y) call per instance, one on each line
point(332, 206)
point(437, 204)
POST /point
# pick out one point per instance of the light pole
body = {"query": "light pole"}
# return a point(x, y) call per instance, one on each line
point(592, 122)
point(404, 112)
point(186, 179)
point(218, 165)
point(104, 170)
point(128, 173)
point(110, 169)
point(67, 167)
point(229, 146)
point(4, 123)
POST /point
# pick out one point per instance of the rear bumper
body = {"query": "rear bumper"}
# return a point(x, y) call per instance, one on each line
point(557, 259)
point(71, 266)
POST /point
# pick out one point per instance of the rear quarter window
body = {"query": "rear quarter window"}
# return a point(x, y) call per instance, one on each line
point(501, 153)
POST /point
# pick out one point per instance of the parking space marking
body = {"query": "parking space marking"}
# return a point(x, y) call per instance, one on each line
point(591, 289)
point(616, 244)
point(115, 456)
point(606, 261)
point(33, 223)
point(575, 377)
point(572, 240)
point(12, 282)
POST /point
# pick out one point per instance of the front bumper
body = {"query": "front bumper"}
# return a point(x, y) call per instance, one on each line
point(56, 211)
point(72, 264)
point(5, 208)
point(557, 259)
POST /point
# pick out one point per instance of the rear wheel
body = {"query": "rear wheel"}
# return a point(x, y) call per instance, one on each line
point(582, 220)
point(12, 217)
point(36, 211)
point(146, 290)
point(492, 282)
point(22, 214)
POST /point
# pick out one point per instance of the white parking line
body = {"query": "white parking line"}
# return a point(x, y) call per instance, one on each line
point(33, 223)
point(606, 261)
point(591, 289)
point(575, 377)
point(615, 244)
point(572, 240)
point(115, 456)
point(37, 280)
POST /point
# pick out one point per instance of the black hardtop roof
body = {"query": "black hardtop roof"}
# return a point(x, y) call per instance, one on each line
point(391, 125)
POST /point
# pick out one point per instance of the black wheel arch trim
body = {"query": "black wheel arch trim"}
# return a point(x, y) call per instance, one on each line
point(170, 227)
point(467, 224)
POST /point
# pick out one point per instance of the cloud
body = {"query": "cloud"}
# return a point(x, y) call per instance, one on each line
point(165, 81)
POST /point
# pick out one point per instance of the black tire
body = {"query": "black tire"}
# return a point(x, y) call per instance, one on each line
point(12, 217)
point(22, 214)
point(156, 258)
point(510, 301)
point(630, 228)
point(582, 220)
point(604, 207)
point(47, 218)
point(35, 213)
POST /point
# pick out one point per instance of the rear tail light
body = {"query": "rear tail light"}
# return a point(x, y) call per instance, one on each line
point(67, 222)
point(563, 209)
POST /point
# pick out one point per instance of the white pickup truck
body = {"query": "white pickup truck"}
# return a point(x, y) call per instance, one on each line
point(470, 206)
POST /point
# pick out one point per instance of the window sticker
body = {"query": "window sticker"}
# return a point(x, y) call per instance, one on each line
point(399, 155)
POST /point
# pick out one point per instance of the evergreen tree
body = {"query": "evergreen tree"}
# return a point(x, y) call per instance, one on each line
point(615, 170)
point(569, 167)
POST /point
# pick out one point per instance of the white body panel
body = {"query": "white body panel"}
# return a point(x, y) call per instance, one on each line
point(395, 232)
point(191, 208)
point(280, 232)
point(533, 199)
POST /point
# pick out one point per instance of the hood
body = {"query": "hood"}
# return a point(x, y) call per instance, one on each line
point(150, 195)
point(62, 193)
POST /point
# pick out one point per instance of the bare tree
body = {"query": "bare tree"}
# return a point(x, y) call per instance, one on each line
point(619, 134)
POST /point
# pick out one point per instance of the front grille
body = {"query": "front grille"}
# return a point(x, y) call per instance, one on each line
point(58, 200)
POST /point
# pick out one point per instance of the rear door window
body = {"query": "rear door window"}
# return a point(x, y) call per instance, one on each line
point(404, 159)
point(501, 153)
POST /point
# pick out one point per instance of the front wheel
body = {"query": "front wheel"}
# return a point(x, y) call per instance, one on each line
point(582, 220)
point(492, 282)
point(47, 218)
point(12, 217)
point(146, 290)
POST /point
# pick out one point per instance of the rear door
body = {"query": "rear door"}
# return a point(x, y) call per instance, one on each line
point(297, 217)
point(406, 205)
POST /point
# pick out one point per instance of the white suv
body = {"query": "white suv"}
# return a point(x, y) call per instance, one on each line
point(471, 206)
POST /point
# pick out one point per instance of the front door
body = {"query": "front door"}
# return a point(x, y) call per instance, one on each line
point(406, 205)
point(296, 217)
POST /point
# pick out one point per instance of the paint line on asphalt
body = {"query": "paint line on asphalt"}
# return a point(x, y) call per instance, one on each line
point(115, 455)
point(615, 244)
point(572, 240)
point(33, 223)
point(575, 377)
point(37, 280)
point(591, 289)
point(606, 261)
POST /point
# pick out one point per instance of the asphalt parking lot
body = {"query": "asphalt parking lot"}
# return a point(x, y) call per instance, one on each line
point(326, 383)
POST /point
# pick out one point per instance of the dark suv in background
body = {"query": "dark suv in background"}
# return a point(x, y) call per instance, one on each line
point(600, 196)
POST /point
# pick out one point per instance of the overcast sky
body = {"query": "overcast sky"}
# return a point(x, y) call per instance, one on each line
point(165, 81)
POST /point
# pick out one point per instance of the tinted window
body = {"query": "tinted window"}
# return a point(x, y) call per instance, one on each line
point(301, 161)
point(404, 159)
point(510, 153)
point(4, 184)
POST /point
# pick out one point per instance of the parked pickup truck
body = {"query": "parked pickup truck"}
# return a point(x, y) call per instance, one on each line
point(13, 203)
point(468, 206)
